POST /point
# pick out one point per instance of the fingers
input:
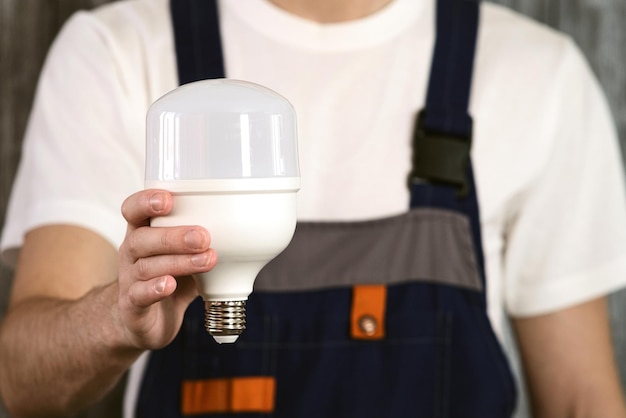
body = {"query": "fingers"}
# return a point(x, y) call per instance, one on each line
point(143, 242)
point(143, 294)
point(172, 265)
point(150, 241)
point(155, 264)
point(139, 207)
point(150, 253)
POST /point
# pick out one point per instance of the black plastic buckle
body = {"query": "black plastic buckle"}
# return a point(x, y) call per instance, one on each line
point(440, 158)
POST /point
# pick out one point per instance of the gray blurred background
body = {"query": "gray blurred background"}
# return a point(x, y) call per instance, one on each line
point(27, 27)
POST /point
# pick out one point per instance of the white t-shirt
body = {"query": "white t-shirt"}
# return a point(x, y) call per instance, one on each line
point(545, 151)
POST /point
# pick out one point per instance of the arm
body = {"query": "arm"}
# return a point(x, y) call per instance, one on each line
point(569, 364)
point(80, 313)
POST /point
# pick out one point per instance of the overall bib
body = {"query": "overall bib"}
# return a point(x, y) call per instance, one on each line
point(381, 318)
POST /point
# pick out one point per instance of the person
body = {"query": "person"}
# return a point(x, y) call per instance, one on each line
point(95, 290)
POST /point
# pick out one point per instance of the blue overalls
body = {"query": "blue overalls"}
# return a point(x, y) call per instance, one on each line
point(381, 318)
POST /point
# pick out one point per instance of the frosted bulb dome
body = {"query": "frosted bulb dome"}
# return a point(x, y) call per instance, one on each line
point(221, 129)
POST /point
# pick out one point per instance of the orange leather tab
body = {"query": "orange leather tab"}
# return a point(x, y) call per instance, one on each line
point(205, 396)
point(367, 317)
point(237, 394)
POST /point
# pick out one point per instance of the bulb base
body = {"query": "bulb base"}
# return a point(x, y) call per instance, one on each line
point(225, 320)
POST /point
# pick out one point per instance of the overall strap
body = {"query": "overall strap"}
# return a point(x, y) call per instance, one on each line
point(197, 40)
point(452, 67)
point(441, 174)
point(443, 130)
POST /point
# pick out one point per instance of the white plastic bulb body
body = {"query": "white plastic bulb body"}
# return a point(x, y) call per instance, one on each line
point(227, 151)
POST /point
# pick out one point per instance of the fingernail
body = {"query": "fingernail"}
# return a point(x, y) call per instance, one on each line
point(157, 202)
point(159, 286)
point(200, 260)
point(194, 240)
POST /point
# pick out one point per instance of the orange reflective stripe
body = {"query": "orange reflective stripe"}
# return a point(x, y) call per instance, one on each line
point(205, 396)
point(237, 394)
point(367, 317)
point(253, 394)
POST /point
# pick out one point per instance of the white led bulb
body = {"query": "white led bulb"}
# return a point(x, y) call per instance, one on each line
point(227, 150)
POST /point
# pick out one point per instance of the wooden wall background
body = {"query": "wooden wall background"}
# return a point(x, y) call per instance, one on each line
point(28, 26)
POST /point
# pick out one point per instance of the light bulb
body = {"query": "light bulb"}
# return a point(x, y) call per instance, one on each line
point(227, 151)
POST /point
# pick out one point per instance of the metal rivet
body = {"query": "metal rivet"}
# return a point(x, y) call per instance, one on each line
point(368, 324)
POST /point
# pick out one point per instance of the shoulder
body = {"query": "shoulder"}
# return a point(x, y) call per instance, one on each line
point(123, 25)
point(130, 40)
point(119, 26)
point(501, 25)
point(528, 74)
point(511, 44)
point(131, 17)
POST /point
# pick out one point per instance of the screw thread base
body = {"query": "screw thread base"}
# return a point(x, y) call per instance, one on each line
point(225, 318)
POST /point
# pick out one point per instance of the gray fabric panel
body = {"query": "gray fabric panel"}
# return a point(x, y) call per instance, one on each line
point(429, 245)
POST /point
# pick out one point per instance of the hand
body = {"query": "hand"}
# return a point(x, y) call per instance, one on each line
point(155, 287)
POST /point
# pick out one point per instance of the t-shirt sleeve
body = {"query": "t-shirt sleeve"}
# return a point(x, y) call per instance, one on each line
point(566, 238)
point(80, 156)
